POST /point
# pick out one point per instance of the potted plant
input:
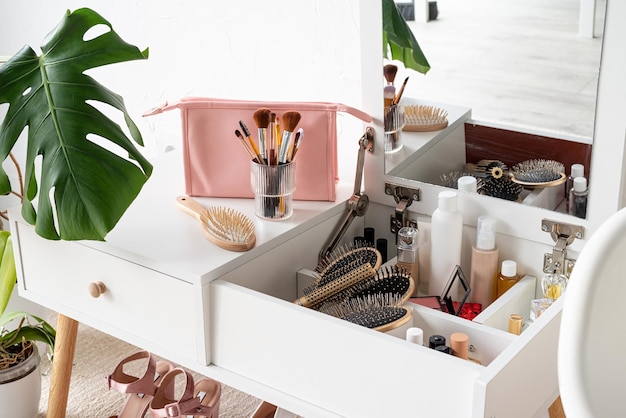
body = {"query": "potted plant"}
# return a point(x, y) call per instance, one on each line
point(82, 170)
point(20, 377)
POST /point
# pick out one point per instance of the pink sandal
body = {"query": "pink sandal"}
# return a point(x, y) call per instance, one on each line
point(139, 390)
point(199, 400)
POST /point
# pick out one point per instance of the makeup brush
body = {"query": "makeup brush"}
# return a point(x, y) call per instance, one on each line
point(291, 120)
point(251, 143)
point(246, 146)
point(296, 143)
point(396, 99)
point(262, 121)
point(271, 141)
point(389, 71)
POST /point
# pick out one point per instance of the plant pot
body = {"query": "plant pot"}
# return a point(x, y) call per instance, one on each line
point(20, 388)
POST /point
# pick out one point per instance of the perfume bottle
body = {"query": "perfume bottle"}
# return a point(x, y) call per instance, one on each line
point(446, 237)
point(484, 263)
point(553, 285)
point(408, 256)
point(508, 277)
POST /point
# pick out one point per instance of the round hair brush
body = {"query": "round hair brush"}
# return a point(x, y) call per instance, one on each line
point(315, 296)
point(501, 187)
point(344, 259)
point(488, 168)
point(538, 173)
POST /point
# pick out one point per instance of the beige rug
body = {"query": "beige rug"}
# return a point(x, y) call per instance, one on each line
point(96, 356)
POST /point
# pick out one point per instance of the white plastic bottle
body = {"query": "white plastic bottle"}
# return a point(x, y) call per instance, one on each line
point(445, 240)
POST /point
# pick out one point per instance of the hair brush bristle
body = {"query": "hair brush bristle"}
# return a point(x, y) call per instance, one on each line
point(381, 312)
point(502, 188)
point(262, 117)
point(451, 179)
point(538, 171)
point(228, 228)
point(488, 168)
point(345, 258)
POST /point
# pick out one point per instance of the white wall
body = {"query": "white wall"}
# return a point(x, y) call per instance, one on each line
point(245, 49)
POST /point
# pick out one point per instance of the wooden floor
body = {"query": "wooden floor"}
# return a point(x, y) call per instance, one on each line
point(517, 62)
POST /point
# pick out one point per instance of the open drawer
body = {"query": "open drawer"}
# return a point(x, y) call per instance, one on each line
point(349, 370)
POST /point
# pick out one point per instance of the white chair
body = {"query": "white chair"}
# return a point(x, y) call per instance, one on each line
point(592, 340)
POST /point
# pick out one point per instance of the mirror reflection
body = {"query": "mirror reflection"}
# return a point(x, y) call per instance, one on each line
point(519, 79)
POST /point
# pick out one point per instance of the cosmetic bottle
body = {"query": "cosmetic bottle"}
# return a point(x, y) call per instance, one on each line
point(508, 277)
point(381, 246)
point(516, 321)
point(484, 267)
point(578, 198)
point(467, 184)
point(553, 285)
point(435, 341)
point(459, 345)
point(408, 257)
point(370, 236)
point(445, 239)
point(415, 335)
point(577, 170)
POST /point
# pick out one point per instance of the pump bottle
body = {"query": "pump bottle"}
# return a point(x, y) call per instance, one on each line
point(484, 263)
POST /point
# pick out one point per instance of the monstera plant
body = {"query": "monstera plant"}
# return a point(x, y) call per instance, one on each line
point(399, 41)
point(74, 188)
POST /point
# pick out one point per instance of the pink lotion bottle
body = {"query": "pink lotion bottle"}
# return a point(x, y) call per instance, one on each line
point(484, 267)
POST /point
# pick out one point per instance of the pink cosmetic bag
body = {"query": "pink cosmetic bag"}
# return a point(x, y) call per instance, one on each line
point(216, 164)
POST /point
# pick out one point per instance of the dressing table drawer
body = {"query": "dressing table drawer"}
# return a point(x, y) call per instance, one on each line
point(144, 303)
point(354, 371)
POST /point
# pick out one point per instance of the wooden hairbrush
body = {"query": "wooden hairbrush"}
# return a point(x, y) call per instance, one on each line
point(315, 296)
point(422, 118)
point(224, 227)
point(344, 259)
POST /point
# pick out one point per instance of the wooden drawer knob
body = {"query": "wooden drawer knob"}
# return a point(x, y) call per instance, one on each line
point(96, 289)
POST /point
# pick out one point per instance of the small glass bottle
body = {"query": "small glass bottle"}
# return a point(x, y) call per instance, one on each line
point(577, 170)
point(508, 277)
point(408, 256)
point(553, 285)
point(578, 198)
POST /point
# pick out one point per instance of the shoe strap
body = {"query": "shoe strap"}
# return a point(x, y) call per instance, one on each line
point(144, 384)
point(188, 403)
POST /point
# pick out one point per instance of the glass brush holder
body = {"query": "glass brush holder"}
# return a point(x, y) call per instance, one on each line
point(273, 187)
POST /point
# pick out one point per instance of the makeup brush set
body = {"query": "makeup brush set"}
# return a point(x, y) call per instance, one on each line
point(352, 285)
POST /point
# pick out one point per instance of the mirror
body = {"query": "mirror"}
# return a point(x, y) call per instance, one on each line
point(521, 74)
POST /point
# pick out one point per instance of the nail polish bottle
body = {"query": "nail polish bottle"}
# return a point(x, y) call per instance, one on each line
point(381, 246)
point(408, 256)
point(508, 277)
point(369, 235)
point(446, 236)
point(484, 263)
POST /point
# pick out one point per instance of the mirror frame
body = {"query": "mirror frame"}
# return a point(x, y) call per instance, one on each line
point(606, 186)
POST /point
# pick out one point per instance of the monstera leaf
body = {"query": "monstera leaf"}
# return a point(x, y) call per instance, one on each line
point(398, 37)
point(81, 189)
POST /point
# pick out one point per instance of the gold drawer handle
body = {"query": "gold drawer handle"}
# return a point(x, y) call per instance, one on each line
point(96, 289)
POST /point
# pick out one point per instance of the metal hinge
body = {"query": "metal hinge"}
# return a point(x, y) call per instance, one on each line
point(563, 234)
point(403, 197)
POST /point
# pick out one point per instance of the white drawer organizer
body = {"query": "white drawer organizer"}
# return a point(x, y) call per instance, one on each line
point(230, 316)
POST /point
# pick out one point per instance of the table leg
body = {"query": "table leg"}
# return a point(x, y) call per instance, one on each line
point(64, 347)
